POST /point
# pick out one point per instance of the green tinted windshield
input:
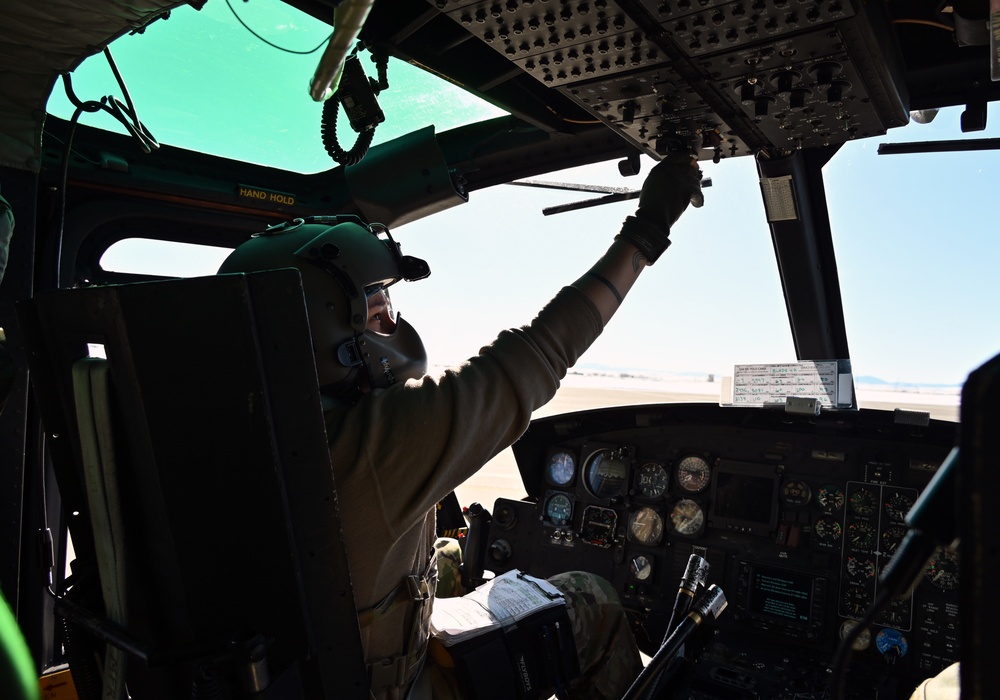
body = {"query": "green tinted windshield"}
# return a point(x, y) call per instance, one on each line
point(217, 82)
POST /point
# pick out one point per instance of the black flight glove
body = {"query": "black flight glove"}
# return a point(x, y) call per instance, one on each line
point(670, 186)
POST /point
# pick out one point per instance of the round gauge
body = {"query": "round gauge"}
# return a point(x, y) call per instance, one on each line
point(827, 530)
point(897, 506)
point(861, 535)
point(891, 537)
point(559, 509)
point(890, 640)
point(942, 570)
point(561, 468)
point(896, 614)
point(687, 517)
point(693, 474)
point(640, 567)
point(860, 568)
point(599, 526)
point(864, 502)
point(651, 480)
point(795, 493)
point(645, 526)
point(830, 498)
point(862, 641)
point(607, 471)
point(855, 601)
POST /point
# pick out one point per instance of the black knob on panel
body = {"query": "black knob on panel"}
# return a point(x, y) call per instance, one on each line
point(500, 551)
point(797, 100)
point(835, 93)
point(761, 105)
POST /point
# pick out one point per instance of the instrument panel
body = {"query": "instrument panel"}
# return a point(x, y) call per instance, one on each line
point(796, 515)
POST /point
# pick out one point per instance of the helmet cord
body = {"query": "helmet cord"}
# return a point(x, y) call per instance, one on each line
point(328, 123)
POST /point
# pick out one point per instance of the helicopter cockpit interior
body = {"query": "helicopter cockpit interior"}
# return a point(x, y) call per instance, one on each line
point(794, 505)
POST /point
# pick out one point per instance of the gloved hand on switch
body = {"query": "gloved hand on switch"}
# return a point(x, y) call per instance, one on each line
point(670, 186)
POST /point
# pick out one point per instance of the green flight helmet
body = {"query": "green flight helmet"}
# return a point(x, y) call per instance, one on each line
point(344, 263)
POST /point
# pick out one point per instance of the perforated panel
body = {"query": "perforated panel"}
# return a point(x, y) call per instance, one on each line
point(742, 75)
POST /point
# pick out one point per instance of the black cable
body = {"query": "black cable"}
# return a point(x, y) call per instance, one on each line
point(695, 575)
point(81, 107)
point(328, 120)
point(712, 603)
point(125, 113)
point(838, 668)
point(328, 132)
point(271, 44)
point(932, 521)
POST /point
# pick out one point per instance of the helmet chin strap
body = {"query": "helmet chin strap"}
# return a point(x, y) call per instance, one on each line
point(349, 354)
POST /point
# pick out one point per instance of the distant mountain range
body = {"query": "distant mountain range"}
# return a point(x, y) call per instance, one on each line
point(903, 385)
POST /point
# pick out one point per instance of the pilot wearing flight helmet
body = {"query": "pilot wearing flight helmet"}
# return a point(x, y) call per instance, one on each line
point(401, 440)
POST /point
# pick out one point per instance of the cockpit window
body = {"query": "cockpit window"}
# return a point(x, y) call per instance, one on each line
point(916, 259)
point(187, 76)
point(910, 231)
point(145, 256)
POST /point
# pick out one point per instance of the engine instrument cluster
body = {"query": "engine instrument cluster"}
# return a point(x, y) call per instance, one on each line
point(796, 516)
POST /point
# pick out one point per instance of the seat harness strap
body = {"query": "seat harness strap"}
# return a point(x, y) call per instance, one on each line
point(394, 673)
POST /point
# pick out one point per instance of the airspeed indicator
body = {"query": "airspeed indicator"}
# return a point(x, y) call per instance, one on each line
point(561, 468)
point(693, 474)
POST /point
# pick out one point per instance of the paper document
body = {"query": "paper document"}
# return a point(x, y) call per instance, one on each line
point(498, 603)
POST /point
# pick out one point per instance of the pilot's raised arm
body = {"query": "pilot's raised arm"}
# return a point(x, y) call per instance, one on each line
point(401, 440)
point(668, 189)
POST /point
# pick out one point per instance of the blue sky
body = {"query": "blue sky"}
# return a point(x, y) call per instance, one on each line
point(915, 235)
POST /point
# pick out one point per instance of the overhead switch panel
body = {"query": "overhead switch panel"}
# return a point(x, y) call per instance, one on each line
point(737, 76)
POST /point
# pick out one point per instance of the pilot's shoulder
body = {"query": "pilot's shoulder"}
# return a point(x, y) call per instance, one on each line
point(943, 686)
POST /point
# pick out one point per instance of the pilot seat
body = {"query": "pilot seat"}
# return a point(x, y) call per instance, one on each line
point(184, 427)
